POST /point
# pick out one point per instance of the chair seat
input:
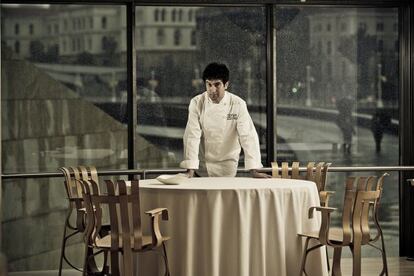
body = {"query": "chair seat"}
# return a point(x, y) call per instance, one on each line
point(335, 234)
point(105, 242)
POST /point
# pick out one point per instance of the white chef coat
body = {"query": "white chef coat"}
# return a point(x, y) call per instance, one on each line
point(214, 134)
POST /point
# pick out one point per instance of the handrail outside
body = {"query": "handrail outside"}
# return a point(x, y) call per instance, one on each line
point(143, 173)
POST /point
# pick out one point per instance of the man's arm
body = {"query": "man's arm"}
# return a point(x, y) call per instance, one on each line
point(192, 135)
point(249, 140)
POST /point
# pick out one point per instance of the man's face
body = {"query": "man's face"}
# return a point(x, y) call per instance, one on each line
point(216, 89)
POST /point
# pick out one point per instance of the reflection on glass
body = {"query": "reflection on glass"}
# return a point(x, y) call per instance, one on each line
point(63, 97)
point(337, 93)
point(63, 86)
point(170, 60)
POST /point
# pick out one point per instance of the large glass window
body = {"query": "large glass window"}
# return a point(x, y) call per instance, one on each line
point(59, 108)
point(169, 77)
point(340, 105)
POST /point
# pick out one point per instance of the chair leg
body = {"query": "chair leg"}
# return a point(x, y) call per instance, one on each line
point(62, 250)
point(327, 258)
point(336, 263)
point(384, 258)
point(114, 263)
point(167, 269)
point(356, 259)
point(91, 264)
point(304, 255)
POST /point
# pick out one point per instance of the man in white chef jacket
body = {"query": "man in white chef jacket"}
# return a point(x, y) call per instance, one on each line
point(218, 126)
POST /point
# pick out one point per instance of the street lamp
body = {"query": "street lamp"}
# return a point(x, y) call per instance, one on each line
point(249, 82)
point(380, 104)
point(197, 81)
point(308, 86)
point(153, 83)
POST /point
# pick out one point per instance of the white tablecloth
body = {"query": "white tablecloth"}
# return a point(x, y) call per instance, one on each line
point(233, 227)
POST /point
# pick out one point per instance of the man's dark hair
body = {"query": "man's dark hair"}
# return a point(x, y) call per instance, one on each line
point(216, 71)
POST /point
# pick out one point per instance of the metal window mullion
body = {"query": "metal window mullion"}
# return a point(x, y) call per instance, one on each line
point(271, 86)
point(131, 85)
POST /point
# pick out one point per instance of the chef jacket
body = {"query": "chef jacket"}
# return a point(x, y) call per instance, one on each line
point(214, 134)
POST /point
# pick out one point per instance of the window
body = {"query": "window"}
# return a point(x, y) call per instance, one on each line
point(329, 70)
point(343, 26)
point(163, 12)
point(180, 15)
point(342, 83)
point(380, 45)
point(173, 75)
point(17, 47)
point(344, 72)
point(160, 37)
point(328, 47)
point(380, 27)
point(190, 15)
point(91, 22)
point(156, 15)
point(103, 22)
point(193, 38)
point(173, 15)
point(58, 102)
point(177, 37)
point(363, 26)
point(328, 27)
point(104, 40)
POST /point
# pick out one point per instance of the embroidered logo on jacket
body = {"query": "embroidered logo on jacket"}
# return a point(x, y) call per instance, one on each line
point(233, 116)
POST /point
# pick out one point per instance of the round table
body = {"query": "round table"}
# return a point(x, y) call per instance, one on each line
point(233, 226)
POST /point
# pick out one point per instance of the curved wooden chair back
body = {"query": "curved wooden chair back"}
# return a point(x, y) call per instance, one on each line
point(73, 187)
point(361, 195)
point(317, 174)
point(123, 205)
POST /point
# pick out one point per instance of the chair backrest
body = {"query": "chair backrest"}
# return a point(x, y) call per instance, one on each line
point(317, 174)
point(72, 177)
point(123, 206)
point(358, 200)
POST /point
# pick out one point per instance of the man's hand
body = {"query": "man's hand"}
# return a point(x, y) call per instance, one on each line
point(190, 173)
point(256, 174)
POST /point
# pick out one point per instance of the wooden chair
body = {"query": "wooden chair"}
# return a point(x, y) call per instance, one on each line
point(317, 174)
point(73, 189)
point(125, 219)
point(375, 216)
point(355, 230)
